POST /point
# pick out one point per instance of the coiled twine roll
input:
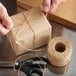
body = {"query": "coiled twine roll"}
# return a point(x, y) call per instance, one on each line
point(59, 51)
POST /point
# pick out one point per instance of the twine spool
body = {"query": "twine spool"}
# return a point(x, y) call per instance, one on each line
point(59, 51)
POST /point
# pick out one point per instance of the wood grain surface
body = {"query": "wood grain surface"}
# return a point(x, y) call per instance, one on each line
point(64, 14)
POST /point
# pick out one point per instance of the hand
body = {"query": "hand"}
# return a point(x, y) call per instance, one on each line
point(51, 5)
point(5, 21)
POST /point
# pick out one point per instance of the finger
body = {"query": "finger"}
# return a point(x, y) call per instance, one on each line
point(54, 5)
point(6, 20)
point(3, 31)
point(7, 23)
point(46, 5)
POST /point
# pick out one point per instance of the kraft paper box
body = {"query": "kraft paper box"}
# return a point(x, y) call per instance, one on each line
point(31, 30)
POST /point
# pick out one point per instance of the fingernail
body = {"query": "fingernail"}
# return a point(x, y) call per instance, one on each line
point(46, 9)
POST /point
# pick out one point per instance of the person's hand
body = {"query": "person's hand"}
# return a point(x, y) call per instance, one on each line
point(5, 21)
point(51, 5)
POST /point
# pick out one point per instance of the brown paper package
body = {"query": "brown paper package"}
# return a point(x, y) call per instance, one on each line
point(31, 30)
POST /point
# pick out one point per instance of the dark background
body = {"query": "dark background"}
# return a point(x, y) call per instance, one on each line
point(10, 6)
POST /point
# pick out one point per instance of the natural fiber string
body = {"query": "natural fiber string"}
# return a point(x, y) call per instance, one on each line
point(31, 28)
point(46, 14)
point(34, 55)
point(40, 58)
point(18, 31)
point(19, 58)
point(26, 49)
point(21, 66)
point(13, 46)
point(26, 61)
point(40, 66)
